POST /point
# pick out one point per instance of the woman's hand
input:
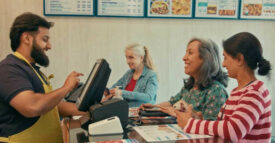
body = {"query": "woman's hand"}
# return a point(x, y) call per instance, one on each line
point(116, 92)
point(168, 110)
point(197, 115)
point(146, 105)
point(183, 117)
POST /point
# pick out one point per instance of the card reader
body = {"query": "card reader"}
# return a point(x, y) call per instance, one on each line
point(109, 126)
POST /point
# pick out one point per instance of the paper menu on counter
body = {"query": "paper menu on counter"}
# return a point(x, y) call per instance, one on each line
point(120, 8)
point(217, 8)
point(170, 132)
point(170, 8)
point(69, 7)
point(257, 9)
point(118, 141)
point(133, 112)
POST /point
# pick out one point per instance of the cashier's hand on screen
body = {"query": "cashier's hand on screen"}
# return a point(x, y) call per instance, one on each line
point(72, 81)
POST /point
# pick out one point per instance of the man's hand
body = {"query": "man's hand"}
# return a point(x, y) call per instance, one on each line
point(107, 97)
point(72, 81)
point(106, 92)
point(69, 109)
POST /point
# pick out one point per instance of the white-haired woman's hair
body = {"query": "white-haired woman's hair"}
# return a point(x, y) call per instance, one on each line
point(141, 50)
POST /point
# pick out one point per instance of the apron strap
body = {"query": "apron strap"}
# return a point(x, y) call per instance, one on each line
point(4, 139)
point(46, 127)
point(18, 55)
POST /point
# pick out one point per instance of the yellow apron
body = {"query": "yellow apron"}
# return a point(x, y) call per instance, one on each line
point(47, 128)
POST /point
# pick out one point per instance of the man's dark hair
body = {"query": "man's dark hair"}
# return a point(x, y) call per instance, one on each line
point(26, 22)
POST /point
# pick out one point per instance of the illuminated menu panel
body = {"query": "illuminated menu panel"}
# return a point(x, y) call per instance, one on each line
point(120, 8)
point(68, 7)
point(169, 8)
point(258, 9)
point(217, 8)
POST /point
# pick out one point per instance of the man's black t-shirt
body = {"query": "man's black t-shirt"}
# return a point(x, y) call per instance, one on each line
point(15, 76)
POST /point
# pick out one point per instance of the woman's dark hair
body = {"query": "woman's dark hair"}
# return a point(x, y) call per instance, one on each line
point(210, 69)
point(26, 22)
point(250, 47)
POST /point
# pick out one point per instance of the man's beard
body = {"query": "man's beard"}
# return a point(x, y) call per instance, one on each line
point(39, 56)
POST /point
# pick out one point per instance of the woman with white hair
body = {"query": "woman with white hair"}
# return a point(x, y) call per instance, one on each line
point(140, 83)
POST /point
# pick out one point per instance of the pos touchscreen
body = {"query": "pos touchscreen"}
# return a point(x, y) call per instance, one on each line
point(95, 85)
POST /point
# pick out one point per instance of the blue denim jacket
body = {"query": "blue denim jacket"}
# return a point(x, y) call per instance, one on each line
point(145, 90)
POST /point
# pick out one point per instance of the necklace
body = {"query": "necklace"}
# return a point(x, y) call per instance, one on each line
point(240, 87)
point(249, 82)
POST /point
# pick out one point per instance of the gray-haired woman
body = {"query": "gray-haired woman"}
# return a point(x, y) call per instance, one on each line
point(205, 88)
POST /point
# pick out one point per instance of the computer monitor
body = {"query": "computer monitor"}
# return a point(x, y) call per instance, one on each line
point(95, 85)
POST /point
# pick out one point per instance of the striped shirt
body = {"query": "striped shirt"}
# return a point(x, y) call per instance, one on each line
point(245, 117)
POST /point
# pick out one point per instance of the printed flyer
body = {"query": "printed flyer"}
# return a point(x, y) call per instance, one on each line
point(119, 141)
point(170, 132)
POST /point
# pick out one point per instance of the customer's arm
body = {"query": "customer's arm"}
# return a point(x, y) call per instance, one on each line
point(167, 107)
point(149, 105)
point(245, 116)
point(149, 93)
point(122, 80)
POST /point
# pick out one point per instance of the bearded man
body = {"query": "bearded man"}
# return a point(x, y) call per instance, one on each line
point(29, 107)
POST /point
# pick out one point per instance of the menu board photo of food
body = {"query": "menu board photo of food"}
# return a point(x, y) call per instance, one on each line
point(216, 9)
point(169, 8)
point(258, 9)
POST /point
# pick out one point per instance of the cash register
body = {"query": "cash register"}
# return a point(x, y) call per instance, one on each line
point(89, 94)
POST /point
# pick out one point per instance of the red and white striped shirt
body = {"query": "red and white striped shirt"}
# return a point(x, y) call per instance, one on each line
point(245, 117)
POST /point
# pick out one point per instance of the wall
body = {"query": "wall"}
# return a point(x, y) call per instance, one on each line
point(78, 41)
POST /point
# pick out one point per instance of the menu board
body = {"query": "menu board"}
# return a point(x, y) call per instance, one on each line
point(217, 8)
point(169, 8)
point(120, 8)
point(68, 7)
point(258, 9)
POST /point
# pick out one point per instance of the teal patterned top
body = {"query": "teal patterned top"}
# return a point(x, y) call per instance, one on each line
point(208, 101)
